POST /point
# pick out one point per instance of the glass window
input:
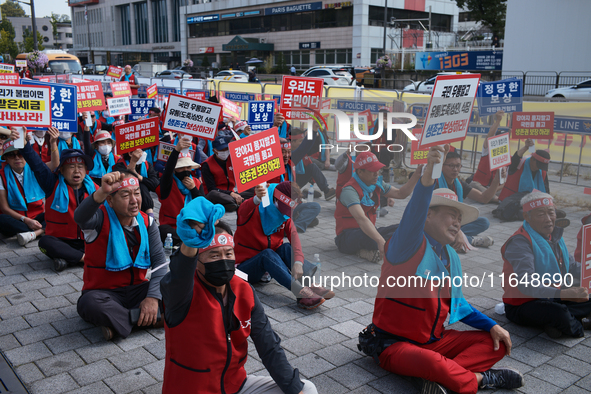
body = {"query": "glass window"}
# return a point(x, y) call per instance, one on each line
point(159, 21)
point(305, 58)
point(125, 25)
point(319, 56)
point(295, 58)
point(341, 56)
point(330, 58)
point(141, 22)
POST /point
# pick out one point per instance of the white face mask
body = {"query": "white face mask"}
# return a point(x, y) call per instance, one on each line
point(40, 133)
point(223, 155)
point(143, 158)
point(104, 150)
point(64, 135)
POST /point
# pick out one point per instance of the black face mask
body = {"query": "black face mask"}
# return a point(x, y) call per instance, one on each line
point(219, 272)
point(183, 174)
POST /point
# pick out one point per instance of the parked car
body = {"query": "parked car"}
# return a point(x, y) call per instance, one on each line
point(95, 69)
point(582, 90)
point(333, 76)
point(363, 72)
point(232, 76)
point(427, 86)
point(173, 74)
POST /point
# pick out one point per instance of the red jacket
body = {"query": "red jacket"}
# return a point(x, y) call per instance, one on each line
point(412, 313)
point(512, 295)
point(131, 81)
point(42, 150)
point(251, 240)
point(201, 356)
point(580, 240)
point(62, 225)
point(512, 183)
point(171, 206)
point(34, 208)
point(483, 174)
point(343, 178)
point(344, 218)
point(95, 274)
point(222, 181)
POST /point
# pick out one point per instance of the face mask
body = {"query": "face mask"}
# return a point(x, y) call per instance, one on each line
point(40, 133)
point(64, 135)
point(183, 174)
point(104, 150)
point(223, 155)
point(219, 272)
point(142, 159)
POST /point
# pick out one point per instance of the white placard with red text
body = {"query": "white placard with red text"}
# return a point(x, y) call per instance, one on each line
point(119, 106)
point(499, 151)
point(190, 116)
point(231, 109)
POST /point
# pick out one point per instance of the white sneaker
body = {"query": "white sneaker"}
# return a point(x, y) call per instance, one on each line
point(485, 241)
point(25, 238)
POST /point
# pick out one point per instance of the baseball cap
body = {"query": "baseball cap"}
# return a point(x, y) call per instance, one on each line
point(368, 161)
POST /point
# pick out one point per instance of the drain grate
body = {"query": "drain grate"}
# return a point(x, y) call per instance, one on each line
point(10, 383)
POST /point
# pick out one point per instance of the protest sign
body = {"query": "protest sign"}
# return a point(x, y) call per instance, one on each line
point(64, 108)
point(90, 95)
point(417, 155)
point(362, 126)
point(300, 92)
point(587, 190)
point(152, 91)
point(22, 105)
point(136, 135)
point(6, 68)
point(231, 109)
point(21, 63)
point(505, 95)
point(256, 159)
point(499, 152)
point(115, 72)
point(9, 79)
point(164, 151)
point(140, 108)
point(120, 89)
point(189, 116)
point(199, 95)
point(534, 125)
point(586, 257)
point(260, 114)
point(119, 106)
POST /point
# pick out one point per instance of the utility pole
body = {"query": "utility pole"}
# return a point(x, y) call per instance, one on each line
point(33, 22)
point(385, 24)
point(90, 54)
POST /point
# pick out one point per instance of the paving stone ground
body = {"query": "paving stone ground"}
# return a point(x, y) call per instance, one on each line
point(54, 351)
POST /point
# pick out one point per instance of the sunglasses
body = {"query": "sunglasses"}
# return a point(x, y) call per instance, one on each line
point(93, 116)
point(12, 155)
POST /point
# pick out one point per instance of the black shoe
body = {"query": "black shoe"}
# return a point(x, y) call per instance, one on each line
point(108, 333)
point(300, 230)
point(59, 264)
point(501, 378)
point(330, 194)
point(553, 332)
point(428, 387)
point(317, 194)
point(314, 223)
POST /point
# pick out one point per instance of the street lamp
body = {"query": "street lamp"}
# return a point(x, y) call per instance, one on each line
point(32, 5)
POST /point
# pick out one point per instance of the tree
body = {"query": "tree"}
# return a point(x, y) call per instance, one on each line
point(28, 45)
point(7, 43)
point(12, 8)
point(491, 13)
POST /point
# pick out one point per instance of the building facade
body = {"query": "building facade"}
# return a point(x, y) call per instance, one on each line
point(23, 24)
point(64, 38)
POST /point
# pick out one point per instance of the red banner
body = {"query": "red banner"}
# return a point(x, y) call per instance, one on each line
point(152, 91)
point(300, 92)
point(90, 96)
point(417, 155)
point(231, 109)
point(196, 95)
point(534, 125)
point(115, 72)
point(136, 135)
point(9, 79)
point(120, 89)
point(256, 159)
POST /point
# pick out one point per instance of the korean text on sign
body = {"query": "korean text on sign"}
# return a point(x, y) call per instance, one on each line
point(25, 105)
point(505, 95)
point(119, 106)
point(64, 108)
point(450, 108)
point(9, 79)
point(189, 116)
point(152, 91)
point(231, 109)
point(499, 151)
point(90, 96)
point(417, 155)
point(136, 135)
point(300, 92)
point(256, 159)
point(196, 95)
point(140, 108)
point(120, 89)
point(534, 125)
point(260, 114)
point(115, 72)
point(6, 68)
point(20, 63)
point(165, 150)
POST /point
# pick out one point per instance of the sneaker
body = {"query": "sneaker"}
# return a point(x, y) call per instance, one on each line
point(484, 241)
point(330, 194)
point(501, 378)
point(552, 332)
point(307, 299)
point(59, 264)
point(317, 194)
point(108, 333)
point(383, 212)
point(428, 387)
point(322, 292)
point(314, 223)
point(372, 256)
point(560, 214)
point(25, 238)
point(266, 278)
point(563, 223)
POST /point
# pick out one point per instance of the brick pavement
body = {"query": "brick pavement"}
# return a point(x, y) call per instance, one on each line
point(55, 351)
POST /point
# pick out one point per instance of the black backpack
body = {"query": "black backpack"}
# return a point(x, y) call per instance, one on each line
point(509, 209)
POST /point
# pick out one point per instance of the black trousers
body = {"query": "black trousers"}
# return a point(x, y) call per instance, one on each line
point(111, 307)
point(563, 315)
point(352, 240)
point(147, 201)
point(227, 200)
point(70, 250)
point(9, 226)
point(312, 174)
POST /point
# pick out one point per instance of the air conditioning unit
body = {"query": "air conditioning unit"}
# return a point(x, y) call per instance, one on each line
point(262, 40)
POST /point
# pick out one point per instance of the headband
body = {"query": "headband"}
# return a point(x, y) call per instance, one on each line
point(540, 202)
point(127, 182)
point(286, 145)
point(8, 144)
point(183, 155)
point(76, 159)
point(540, 158)
point(284, 199)
point(297, 137)
point(449, 196)
point(102, 136)
point(219, 240)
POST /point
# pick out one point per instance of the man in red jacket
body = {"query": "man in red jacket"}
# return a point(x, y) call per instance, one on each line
point(130, 77)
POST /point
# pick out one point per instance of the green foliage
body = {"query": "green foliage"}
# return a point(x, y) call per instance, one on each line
point(28, 45)
point(7, 44)
point(12, 8)
point(281, 66)
point(268, 65)
point(491, 13)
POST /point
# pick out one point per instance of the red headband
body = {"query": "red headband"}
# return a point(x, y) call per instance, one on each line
point(101, 136)
point(8, 144)
point(449, 196)
point(284, 199)
point(76, 159)
point(219, 240)
point(127, 182)
point(183, 155)
point(286, 145)
point(297, 137)
point(540, 158)
point(540, 202)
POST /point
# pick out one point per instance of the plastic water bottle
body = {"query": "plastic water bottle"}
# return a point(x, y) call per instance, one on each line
point(311, 193)
point(391, 173)
point(317, 263)
point(500, 308)
point(168, 246)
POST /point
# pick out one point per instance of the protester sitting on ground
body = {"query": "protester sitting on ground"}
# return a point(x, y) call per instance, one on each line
point(260, 247)
point(344, 166)
point(218, 176)
point(357, 206)
point(409, 337)
point(306, 170)
point(578, 250)
point(104, 158)
point(537, 249)
point(320, 154)
point(64, 191)
point(200, 288)
point(177, 188)
point(135, 162)
point(40, 143)
point(122, 244)
point(21, 198)
point(450, 180)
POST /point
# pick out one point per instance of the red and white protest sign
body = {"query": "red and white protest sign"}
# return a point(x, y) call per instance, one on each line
point(120, 89)
point(152, 91)
point(534, 125)
point(25, 105)
point(136, 135)
point(499, 152)
point(194, 117)
point(586, 257)
point(90, 95)
point(115, 72)
point(197, 95)
point(119, 106)
point(231, 109)
point(256, 159)
point(300, 92)
point(418, 155)
point(9, 78)
point(21, 63)
point(165, 150)
point(587, 190)
point(6, 68)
